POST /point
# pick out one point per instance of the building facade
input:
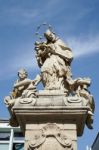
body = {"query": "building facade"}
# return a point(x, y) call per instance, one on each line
point(95, 145)
point(10, 138)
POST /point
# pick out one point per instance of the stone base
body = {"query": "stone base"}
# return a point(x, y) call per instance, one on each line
point(51, 122)
point(51, 136)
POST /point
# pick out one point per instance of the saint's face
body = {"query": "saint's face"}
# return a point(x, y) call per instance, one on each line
point(49, 36)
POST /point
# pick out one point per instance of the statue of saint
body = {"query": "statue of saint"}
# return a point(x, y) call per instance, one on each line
point(54, 58)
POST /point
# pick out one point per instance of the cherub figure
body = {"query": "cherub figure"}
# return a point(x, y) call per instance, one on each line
point(23, 87)
point(81, 90)
point(17, 91)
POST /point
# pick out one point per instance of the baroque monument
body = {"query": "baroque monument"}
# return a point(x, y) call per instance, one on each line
point(52, 118)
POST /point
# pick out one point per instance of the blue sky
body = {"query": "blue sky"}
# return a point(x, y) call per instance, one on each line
point(76, 22)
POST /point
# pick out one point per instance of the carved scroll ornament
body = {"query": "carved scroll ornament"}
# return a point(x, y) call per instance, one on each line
point(50, 130)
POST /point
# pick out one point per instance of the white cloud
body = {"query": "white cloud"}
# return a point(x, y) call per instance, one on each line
point(24, 15)
point(84, 45)
point(25, 58)
point(22, 59)
point(80, 46)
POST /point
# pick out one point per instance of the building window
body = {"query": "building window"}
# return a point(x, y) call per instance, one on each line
point(4, 136)
point(4, 146)
point(4, 140)
point(18, 146)
point(18, 136)
point(11, 139)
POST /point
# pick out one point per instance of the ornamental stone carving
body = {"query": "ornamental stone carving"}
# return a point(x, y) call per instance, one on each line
point(54, 58)
point(49, 132)
point(64, 100)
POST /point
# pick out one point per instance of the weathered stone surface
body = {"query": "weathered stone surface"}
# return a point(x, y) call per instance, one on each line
point(50, 136)
point(26, 112)
point(51, 119)
point(51, 126)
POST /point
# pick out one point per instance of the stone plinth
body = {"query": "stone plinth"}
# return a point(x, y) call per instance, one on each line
point(51, 121)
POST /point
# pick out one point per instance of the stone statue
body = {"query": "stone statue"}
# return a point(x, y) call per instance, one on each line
point(51, 118)
point(17, 91)
point(81, 90)
point(54, 59)
point(23, 87)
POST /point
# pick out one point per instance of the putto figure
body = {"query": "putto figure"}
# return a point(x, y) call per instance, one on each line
point(81, 90)
point(54, 58)
point(23, 87)
point(17, 90)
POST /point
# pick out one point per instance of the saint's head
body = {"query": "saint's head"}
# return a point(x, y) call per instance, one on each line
point(49, 35)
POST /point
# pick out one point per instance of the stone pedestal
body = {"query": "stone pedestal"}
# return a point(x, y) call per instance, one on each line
point(51, 121)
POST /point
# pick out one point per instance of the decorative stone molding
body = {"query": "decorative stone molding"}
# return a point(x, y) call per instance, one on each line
point(27, 101)
point(53, 131)
point(73, 100)
point(54, 100)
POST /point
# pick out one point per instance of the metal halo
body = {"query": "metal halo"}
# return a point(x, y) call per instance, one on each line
point(40, 37)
